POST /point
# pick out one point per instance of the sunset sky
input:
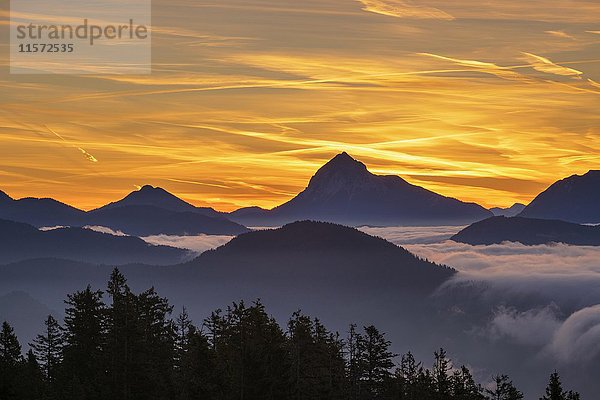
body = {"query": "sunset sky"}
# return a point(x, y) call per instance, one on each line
point(486, 101)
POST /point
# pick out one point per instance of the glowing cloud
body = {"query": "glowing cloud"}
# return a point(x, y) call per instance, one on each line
point(87, 155)
point(481, 66)
point(543, 64)
point(404, 9)
point(561, 34)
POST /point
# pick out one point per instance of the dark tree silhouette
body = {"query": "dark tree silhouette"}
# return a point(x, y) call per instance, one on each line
point(554, 390)
point(10, 359)
point(503, 390)
point(47, 348)
point(84, 366)
point(131, 349)
point(374, 363)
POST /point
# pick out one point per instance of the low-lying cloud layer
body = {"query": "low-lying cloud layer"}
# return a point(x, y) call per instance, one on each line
point(554, 290)
point(199, 243)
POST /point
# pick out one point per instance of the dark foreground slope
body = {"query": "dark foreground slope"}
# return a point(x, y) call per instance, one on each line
point(528, 231)
point(20, 242)
point(574, 199)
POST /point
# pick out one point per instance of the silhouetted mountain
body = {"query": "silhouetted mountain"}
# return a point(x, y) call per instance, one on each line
point(149, 220)
point(20, 241)
point(344, 191)
point(39, 212)
point(149, 211)
point(251, 212)
point(158, 197)
point(512, 211)
point(528, 231)
point(4, 197)
point(574, 199)
point(306, 255)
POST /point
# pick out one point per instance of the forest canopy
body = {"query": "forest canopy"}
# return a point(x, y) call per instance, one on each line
point(121, 345)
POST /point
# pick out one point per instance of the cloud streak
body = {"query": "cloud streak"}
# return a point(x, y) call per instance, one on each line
point(404, 9)
point(544, 65)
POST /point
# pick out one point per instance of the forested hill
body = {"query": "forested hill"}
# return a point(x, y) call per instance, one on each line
point(308, 253)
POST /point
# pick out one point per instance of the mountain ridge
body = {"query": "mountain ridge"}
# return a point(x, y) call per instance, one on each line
point(134, 215)
point(528, 231)
point(20, 242)
point(573, 199)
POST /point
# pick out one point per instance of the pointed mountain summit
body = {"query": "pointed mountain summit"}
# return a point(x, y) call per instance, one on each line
point(574, 199)
point(344, 191)
point(159, 197)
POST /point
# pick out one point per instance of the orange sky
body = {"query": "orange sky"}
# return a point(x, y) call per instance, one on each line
point(488, 102)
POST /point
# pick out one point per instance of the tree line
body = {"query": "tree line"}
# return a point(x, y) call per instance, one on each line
point(131, 348)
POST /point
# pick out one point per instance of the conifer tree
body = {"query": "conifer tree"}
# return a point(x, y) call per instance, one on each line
point(10, 361)
point(120, 336)
point(374, 361)
point(504, 390)
point(31, 379)
point(10, 349)
point(47, 348)
point(316, 360)
point(84, 366)
point(441, 367)
point(554, 390)
point(463, 386)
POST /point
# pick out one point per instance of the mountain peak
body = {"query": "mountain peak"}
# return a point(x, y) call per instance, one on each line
point(149, 195)
point(341, 168)
point(149, 188)
point(346, 162)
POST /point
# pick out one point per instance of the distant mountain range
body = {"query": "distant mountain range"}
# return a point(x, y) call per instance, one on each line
point(528, 231)
point(39, 212)
point(149, 211)
point(512, 211)
point(20, 242)
point(574, 199)
point(344, 191)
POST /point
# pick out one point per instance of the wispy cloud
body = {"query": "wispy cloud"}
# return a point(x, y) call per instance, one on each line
point(87, 155)
point(594, 83)
point(561, 34)
point(482, 66)
point(543, 64)
point(404, 9)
